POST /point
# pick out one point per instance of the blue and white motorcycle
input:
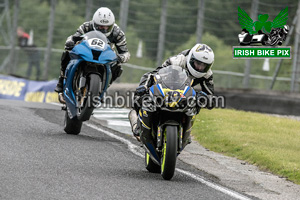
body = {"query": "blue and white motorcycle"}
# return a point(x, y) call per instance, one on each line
point(88, 77)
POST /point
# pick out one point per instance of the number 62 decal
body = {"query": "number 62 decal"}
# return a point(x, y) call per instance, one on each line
point(96, 43)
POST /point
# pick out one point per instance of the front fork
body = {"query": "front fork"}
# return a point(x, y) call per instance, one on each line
point(107, 79)
point(161, 135)
point(81, 91)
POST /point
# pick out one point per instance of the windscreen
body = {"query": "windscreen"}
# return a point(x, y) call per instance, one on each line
point(173, 77)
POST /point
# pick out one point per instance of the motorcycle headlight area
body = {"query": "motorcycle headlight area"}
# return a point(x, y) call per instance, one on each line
point(167, 99)
point(174, 99)
point(96, 43)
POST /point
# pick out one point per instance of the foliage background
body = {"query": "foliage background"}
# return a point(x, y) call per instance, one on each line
point(220, 31)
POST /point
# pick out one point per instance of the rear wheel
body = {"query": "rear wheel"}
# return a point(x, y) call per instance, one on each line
point(150, 165)
point(72, 126)
point(91, 98)
point(169, 152)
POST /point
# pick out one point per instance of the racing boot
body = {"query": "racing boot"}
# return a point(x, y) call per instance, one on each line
point(59, 88)
point(189, 140)
point(65, 58)
point(59, 85)
point(116, 72)
point(61, 98)
point(132, 116)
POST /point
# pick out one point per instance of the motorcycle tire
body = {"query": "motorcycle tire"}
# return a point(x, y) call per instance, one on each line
point(93, 92)
point(169, 152)
point(72, 126)
point(150, 165)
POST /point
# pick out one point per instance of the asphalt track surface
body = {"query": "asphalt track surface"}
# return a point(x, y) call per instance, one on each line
point(38, 160)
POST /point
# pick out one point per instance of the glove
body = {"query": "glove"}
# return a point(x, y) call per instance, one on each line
point(69, 45)
point(120, 58)
point(139, 92)
point(202, 99)
point(205, 101)
point(142, 89)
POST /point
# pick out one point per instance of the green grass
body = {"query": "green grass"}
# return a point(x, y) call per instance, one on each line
point(271, 143)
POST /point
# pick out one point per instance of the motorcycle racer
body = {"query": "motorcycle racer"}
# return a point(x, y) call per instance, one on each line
point(104, 21)
point(197, 61)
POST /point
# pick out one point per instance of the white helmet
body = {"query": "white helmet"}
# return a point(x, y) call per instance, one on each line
point(200, 54)
point(103, 20)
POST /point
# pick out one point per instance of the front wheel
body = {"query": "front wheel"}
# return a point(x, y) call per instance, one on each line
point(169, 152)
point(72, 126)
point(91, 98)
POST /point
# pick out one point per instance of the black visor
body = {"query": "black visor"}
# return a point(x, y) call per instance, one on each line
point(101, 28)
point(199, 66)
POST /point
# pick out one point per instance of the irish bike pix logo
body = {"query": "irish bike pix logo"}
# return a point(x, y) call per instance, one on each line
point(262, 39)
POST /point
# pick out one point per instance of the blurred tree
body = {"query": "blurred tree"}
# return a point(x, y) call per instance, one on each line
point(145, 17)
point(34, 15)
point(66, 23)
point(181, 22)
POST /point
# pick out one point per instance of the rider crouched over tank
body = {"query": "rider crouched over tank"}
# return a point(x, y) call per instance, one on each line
point(104, 21)
point(196, 63)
